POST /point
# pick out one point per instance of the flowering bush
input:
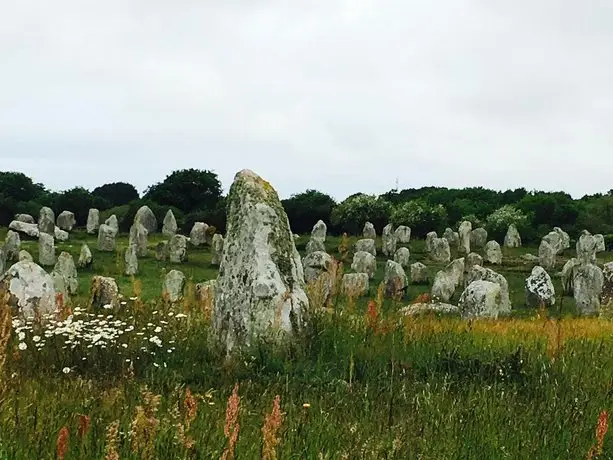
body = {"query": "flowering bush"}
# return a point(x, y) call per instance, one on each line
point(351, 215)
point(420, 216)
point(498, 222)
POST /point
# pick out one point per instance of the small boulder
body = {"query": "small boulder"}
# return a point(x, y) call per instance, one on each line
point(388, 238)
point(364, 262)
point(482, 299)
point(539, 288)
point(145, 216)
point(600, 246)
point(138, 239)
point(447, 280)
point(318, 266)
point(465, 232)
point(106, 238)
point(569, 271)
point(403, 234)
point(471, 260)
point(198, 234)
point(547, 255)
point(478, 272)
point(25, 256)
point(26, 218)
point(402, 256)
point(512, 239)
point(93, 221)
point(30, 288)
point(169, 227)
point(422, 308)
point(493, 253)
point(366, 245)
point(30, 230)
point(369, 231)
point(66, 221)
point(174, 285)
point(85, 257)
point(60, 235)
point(419, 273)
point(103, 292)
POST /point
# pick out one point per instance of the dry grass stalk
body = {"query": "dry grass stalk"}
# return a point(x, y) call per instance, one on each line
point(231, 427)
point(5, 329)
point(63, 438)
point(137, 291)
point(601, 430)
point(190, 407)
point(270, 430)
point(85, 422)
point(144, 426)
point(112, 441)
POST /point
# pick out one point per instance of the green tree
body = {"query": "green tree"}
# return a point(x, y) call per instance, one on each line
point(306, 208)
point(116, 193)
point(351, 215)
point(420, 216)
point(79, 201)
point(498, 222)
point(16, 189)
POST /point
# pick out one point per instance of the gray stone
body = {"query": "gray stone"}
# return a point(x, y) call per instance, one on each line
point(599, 239)
point(440, 251)
point(315, 246)
point(564, 238)
point(12, 245)
point(478, 272)
point(355, 284)
point(453, 238)
point(3, 260)
point(319, 268)
point(85, 257)
point(607, 287)
point(26, 218)
point(478, 237)
point(198, 234)
point(547, 255)
point(205, 293)
point(369, 231)
point(260, 289)
point(364, 262)
point(471, 260)
point(177, 249)
point(366, 245)
point(60, 235)
point(539, 288)
point(138, 239)
point(586, 249)
point(146, 217)
point(66, 270)
point(162, 251)
point(589, 283)
point(512, 239)
point(402, 256)
point(529, 258)
point(46, 250)
point(403, 234)
point(46, 221)
point(482, 299)
point(555, 241)
point(388, 238)
point(447, 280)
point(174, 285)
point(106, 238)
point(104, 292)
point(430, 236)
point(93, 221)
point(465, 232)
point(131, 259)
point(419, 273)
point(169, 226)
point(395, 280)
point(66, 221)
point(319, 232)
point(493, 253)
point(569, 271)
point(30, 288)
point(30, 230)
point(112, 223)
point(422, 308)
point(217, 249)
point(25, 256)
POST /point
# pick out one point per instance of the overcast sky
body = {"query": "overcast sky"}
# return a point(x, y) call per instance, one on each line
point(337, 95)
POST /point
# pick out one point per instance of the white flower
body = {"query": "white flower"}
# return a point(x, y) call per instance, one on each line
point(36, 338)
point(108, 306)
point(22, 335)
point(125, 345)
point(157, 329)
point(66, 370)
point(156, 364)
point(22, 346)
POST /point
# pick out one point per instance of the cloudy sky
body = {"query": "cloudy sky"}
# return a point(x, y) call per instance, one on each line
point(338, 95)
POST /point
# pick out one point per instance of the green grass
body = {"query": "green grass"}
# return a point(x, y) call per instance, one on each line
point(428, 388)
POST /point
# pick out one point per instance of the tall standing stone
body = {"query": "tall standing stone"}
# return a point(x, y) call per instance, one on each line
point(512, 239)
point(46, 221)
point(217, 249)
point(586, 249)
point(138, 239)
point(66, 221)
point(547, 255)
point(145, 216)
point(197, 235)
point(65, 270)
point(260, 289)
point(174, 285)
point(369, 231)
point(607, 287)
point(177, 249)
point(564, 238)
point(569, 271)
point(319, 231)
point(539, 288)
point(493, 253)
point(388, 240)
point(478, 237)
point(589, 283)
point(93, 221)
point(452, 238)
point(112, 223)
point(46, 250)
point(106, 238)
point(85, 257)
point(169, 227)
point(131, 259)
point(395, 280)
point(12, 245)
point(104, 292)
point(555, 241)
point(430, 236)
point(465, 232)
point(403, 234)
point(315, 246)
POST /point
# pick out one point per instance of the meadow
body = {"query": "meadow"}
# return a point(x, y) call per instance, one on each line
point(362, 382)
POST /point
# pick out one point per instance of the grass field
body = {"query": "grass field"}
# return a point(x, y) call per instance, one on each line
point(143, 381)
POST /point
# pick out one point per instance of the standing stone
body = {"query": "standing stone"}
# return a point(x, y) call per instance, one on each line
point(26, 218)
point(366, 245)
point(395, 280)
point(12, 245)
point(419, 273)
point(85, 257)
point(112, 223)
point(555, 241)
point(403, 234)
point(66, 221)
point(25, 256)
point(103, 292)
point(174, 285)
point(539, 288)
point(169, 227)
point(471, 260)
point(569, 271)
point(46, 221)
point(60, 234)
point(599, 239)
point(319, 267)
point(355, 284)
point(138, 239)
point(447, 280)
point(146, 217)
point(177, 249)
point(217, 249)
point(260, 289)
point(564, 238)
point(388, 240)
point(315, 246)
point(205, 294)
point(198, 234)
point(364, 262)
point(465, 232)
point(106, 238)
point(30, 289)
point(589, 283)
point(3, 260)
point(478, 237)
point(402, 256)
point(93, 221)
point(440, 251)
point(512, 239)
point(430, 236)
point(369, 231)
point(586, 249)
point(487, 274)
point(453, 238)
point(66, 270)
point(131, 259)
point(46, 249)
point(319, 232)
point(607, 287)
point(493, 253)
point(482, 299)
point(547, 255)
point(162, 251)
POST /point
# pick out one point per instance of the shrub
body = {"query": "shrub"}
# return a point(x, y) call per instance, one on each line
point(420, 216)
point(498, 222)
point(305, 209)
point(351, 215)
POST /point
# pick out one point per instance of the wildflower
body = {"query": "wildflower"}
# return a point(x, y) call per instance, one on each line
point(270, 429)
point(22, 346)
point(84, 425)
point(112, 435)
point(306, 405)
point(66, 370)
point(62, 443)
point(157, 330)
point(21, 336)
point(231, 427)
point(36, 338)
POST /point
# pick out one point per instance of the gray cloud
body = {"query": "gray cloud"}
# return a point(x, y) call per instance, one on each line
point(338, 95)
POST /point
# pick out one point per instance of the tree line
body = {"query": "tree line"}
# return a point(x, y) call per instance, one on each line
point(196, 195)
